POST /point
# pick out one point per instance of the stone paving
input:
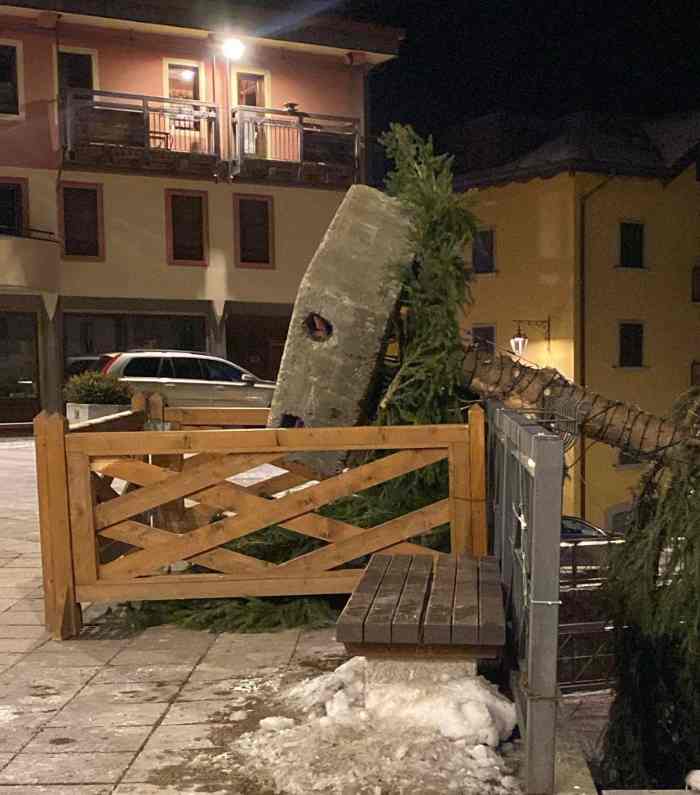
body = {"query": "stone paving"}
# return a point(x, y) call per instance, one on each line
point(136, 714)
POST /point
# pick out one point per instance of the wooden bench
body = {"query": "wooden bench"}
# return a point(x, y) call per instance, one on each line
point(408, 605)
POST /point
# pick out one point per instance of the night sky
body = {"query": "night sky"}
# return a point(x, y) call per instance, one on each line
point(464, 58)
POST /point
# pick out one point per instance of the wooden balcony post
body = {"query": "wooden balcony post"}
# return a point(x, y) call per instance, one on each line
point(460, 506)
point(477, 477)
point(62, 612)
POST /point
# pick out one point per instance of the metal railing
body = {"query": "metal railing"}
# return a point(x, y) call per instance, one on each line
point(294, 137)
point(111, 118)
point(526, 465)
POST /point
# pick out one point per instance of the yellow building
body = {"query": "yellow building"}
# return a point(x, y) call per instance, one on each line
point(590, 225)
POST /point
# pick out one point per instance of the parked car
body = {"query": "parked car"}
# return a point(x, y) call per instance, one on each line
point(75, 365)
point(573, 528)
point(189, 379)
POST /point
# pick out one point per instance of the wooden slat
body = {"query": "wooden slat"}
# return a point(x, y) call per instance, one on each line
point(285, 440)
point(421, 651)
point(45, 529)
point(82, 519)
point(276, 511)
point(492, 624)
point(381, 613)
point(278, 483)
point(477, 477)
point(350, 626)
point(438, 615)
point(406, 626)
point(127, 420)
point(218, 417)
point(465, 614)
point(372, 540)
point(406, 548)
point(181, 485)
point(213, 586)
point(223, 560)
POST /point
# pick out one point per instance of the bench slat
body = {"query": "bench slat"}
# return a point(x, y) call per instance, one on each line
point(438, 615)
point(350, 627)
point(465, 615)
point(406, 626)
point(381, 613)
point(492, 624)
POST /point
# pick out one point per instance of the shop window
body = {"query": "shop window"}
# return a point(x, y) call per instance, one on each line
point(254, 231)
point(483, 251)
point(9, 80)
point(13, 202)
point(187, 228)
point(18, 356)
point(631, 245)
point(484, 337)
point(631, 345)
point(82, 220)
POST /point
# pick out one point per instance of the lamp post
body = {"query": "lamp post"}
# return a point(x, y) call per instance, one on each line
point(519, 341)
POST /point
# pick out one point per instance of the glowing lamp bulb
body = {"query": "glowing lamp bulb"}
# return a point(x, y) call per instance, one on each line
point(233, 49)
point(518, 342)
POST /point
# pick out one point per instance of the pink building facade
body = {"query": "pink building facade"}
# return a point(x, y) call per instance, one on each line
point(164, 182)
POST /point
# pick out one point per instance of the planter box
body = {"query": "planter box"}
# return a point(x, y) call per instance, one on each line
point(82, 412)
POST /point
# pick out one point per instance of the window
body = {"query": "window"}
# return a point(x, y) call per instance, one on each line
point(484, 337)
point(631, 245)
point(74, 71)
point(483, 251)
point(695, 374)
point(187, 229)
point(183, 81)
point(251, 90)
point(254, 231)
point(631, 345)
point(13, 206)
point(628, 459)
point(187, 367)
point(82, 220)
point(696, 283)
point(221, 371)
point(143, 367)
point(9, 80)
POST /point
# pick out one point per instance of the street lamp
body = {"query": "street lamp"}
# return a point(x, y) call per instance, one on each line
point(519, 341)
point(233, 49)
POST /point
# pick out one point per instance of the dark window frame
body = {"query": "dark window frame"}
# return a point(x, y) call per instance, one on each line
point(475, 338)
point(624, 261)
point(16, 112)
point(479, 251)
point(98, 188)
point(240, 262)
point(169, 226)
point(620, 352)
point(23, 184)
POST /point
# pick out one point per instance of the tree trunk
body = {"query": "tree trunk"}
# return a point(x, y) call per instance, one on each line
point(621, 425)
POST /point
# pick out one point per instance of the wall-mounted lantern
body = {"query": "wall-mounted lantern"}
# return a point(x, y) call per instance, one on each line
point(519, 341)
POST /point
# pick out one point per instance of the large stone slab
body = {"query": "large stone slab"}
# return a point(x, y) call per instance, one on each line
point(340, 319)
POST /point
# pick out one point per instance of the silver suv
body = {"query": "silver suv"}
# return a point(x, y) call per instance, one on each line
point(189, 379)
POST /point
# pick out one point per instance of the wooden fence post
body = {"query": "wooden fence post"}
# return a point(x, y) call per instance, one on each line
point(62, 613)
point(460, 507)
point(477, 478)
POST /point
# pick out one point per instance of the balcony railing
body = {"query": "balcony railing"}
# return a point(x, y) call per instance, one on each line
point(114, 129)
point(284, 145)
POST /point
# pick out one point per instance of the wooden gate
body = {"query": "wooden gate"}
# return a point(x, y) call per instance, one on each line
point(119, 508)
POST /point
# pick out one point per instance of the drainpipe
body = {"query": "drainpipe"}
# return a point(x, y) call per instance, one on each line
point(583, 376)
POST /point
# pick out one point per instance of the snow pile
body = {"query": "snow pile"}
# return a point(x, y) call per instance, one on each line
point(692, 780)
point(356, 736)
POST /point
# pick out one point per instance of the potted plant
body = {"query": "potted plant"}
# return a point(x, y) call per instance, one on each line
point(90, 395)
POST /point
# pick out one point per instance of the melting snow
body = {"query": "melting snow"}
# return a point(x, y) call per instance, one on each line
point(360, 737)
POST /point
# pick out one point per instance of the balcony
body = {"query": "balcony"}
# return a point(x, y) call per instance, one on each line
point(288, 146)
point(127, 132)
point(29, 261)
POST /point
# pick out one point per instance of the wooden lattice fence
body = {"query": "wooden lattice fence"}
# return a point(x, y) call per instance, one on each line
point(120, 505)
